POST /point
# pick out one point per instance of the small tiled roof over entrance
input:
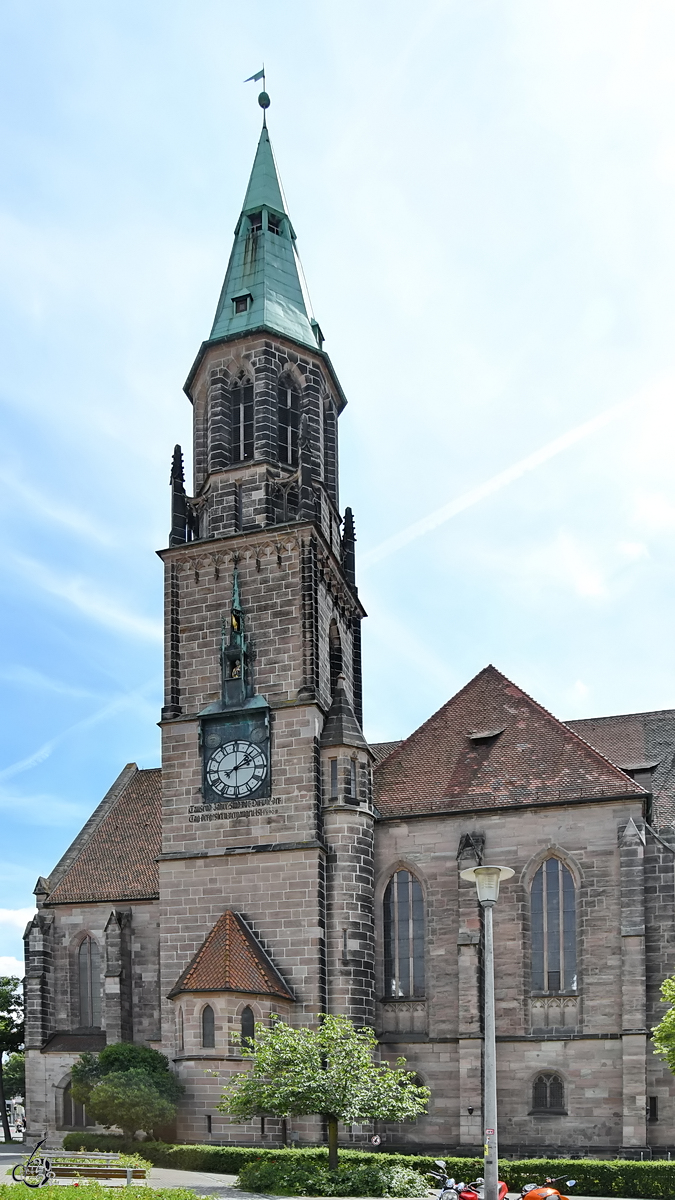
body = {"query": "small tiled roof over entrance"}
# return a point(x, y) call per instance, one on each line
point(114, 856)
point(492, 746)
point(231, 959)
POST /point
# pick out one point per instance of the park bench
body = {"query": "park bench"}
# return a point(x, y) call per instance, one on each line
point(60, 1165)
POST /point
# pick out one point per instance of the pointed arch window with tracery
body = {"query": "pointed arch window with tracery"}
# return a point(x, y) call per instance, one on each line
point(89, 983)
point(403, 936)
point(242, 441)
point(554, 932)
point(288, 418)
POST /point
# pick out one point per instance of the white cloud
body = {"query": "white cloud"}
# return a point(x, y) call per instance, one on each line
point(633, 550)
point(11, 966)
point(18, 917)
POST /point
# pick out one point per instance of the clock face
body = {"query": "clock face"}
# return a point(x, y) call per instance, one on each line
point(236, 768)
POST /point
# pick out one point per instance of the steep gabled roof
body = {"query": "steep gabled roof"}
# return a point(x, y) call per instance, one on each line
point(639, 742)
point(231, 959)
point(114, 856)
point(493, 746)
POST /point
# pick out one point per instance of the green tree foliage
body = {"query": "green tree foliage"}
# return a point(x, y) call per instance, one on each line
point(14, 1076)
point(11, 1033)
point(329, 1070)
point(664, 1032)
point(127, 1085)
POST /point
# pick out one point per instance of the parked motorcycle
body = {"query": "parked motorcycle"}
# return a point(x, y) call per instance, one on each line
point(450, 1190)
point(537, 1191)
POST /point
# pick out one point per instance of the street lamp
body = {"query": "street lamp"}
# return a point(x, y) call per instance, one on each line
point(487, 880)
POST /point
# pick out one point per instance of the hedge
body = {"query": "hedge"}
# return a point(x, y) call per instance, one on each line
point(619, 1177)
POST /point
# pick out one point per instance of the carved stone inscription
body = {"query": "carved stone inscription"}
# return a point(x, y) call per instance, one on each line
point(223, 810)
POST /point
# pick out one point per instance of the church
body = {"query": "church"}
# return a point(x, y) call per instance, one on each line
point(278, 863)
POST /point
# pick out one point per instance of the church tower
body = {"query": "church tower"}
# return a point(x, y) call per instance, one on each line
point(267, 798)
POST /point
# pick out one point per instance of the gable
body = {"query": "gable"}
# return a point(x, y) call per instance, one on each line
point(493, 746)
point(231, 959)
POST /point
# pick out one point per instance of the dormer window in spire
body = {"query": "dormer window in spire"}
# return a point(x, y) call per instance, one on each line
point(241, 304)
point(242, 420)
point(288, 415)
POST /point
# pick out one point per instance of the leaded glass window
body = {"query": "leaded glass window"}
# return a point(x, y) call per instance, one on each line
point(403, 936)
point(548, 1093)
point(242, 420)
point(89, 983)
point(288, 412)
point(208, 1028)
point(554, 935)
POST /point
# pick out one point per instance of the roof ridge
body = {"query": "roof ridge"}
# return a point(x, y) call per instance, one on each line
point(650, 712)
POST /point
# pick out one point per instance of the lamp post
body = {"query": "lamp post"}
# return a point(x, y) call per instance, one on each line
point(487, 880)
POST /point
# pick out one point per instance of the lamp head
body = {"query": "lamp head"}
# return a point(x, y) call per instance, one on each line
point(487, 880)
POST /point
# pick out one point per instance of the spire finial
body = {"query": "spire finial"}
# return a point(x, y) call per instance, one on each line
point(263, 99)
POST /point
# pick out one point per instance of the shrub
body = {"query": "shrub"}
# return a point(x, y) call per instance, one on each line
point(305, 1178)
point(91, 1189)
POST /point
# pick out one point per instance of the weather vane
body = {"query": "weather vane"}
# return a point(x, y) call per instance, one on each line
point(263, 98)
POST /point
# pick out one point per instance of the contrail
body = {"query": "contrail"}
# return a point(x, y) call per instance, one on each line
point(441, 515)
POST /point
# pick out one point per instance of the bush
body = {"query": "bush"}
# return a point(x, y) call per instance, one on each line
point(305, 1178)
point(91, 1189)
point(619, 1177)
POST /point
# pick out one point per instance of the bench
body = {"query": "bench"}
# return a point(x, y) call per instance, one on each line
point(86, 1166)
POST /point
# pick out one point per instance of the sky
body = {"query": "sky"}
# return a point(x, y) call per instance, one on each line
point(483, 193)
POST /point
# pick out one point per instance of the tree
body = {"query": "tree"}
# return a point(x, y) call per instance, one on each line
point(127, 1085)
point(14, 1076)
point(11, 1033)
point(664, 1032)
point(329, 1070)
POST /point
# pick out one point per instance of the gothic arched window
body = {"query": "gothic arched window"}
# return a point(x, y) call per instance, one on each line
point(554, 934)
point(242, 420)
point(247, 1025)
point(74, 1114)
point(548, 1093)
point(334, 654)
point(403, 936)
point(89, 983)
point(208, 1028)
point(288, 416)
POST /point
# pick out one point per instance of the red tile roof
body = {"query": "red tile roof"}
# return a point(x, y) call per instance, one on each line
point(231, 959)
point(116, 859)
point(536, 759)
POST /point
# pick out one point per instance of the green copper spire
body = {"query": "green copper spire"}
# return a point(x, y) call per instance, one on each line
point(263, 286)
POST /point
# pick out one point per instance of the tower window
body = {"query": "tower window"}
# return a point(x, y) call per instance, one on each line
point(208, 1028)
point(352, 786)
point(273, 223)
point(241, 303)
point(403, 936)
point(333, 778)
point(255, 221)
point(181, 1030)
point(652, 1108)
point(89, 981)
point(288, 411)
point(242, 421)
point(548, 1094)
point(334, 654)
point(554, 937)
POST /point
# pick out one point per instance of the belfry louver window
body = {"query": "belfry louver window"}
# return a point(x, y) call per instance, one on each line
point(554, 936)
point(403, 937)
point(242, 421)
point(288, 410)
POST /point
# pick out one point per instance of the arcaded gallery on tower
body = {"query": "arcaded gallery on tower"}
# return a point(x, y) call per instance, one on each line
point(278, 863)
